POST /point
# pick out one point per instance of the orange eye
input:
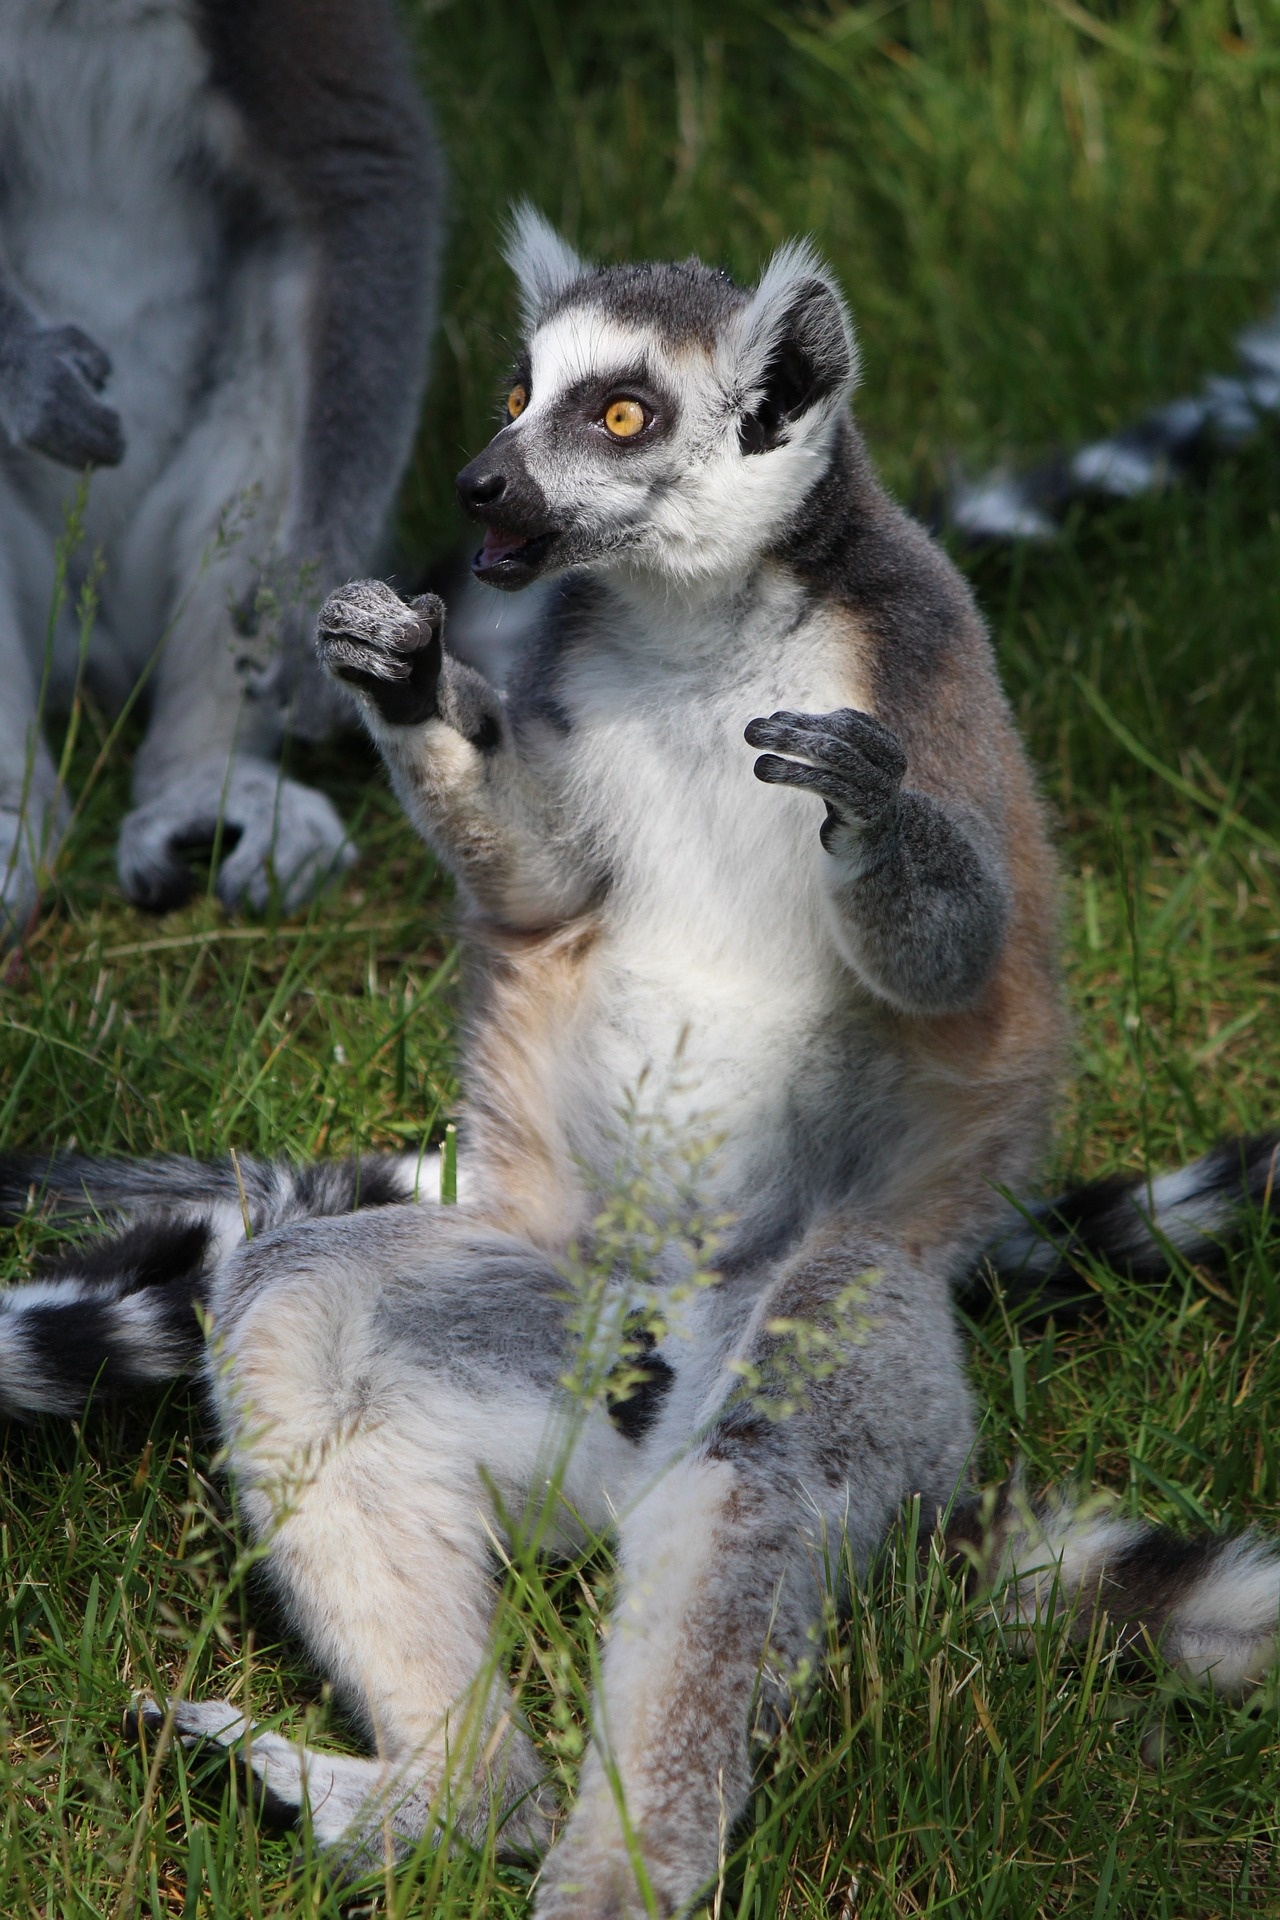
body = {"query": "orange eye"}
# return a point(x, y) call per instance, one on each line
point(624, 418)
point(517, 401)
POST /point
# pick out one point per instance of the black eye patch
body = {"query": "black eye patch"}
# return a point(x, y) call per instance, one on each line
point(521, 376)
point(584, 403)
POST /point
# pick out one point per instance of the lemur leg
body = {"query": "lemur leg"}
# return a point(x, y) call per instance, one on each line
point(378, 1379)
point(469, 786)
point(210, 535)
point(724, 1569)
point(33, 813)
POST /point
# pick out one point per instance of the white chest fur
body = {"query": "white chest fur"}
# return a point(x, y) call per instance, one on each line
point(716, 961)
point(106, 125)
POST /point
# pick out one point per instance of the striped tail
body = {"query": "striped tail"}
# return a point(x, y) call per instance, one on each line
point(116, 1314)
point(121, 1310)
point(265, 1193)
point(1165, 446)
point(1139, 1226)
point(1210, 1605)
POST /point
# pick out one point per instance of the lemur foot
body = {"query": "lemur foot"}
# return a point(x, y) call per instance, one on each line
point(48, 398)
point(384, 649)
point(28, 842)
point(334, 1788)
point(278, 837)
point(360, 1810)
point(849, 759)
point(582, 1884)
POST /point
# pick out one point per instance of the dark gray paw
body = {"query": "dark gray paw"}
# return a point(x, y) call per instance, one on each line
point(49, 381)
point(850, 760)
point(387, 649)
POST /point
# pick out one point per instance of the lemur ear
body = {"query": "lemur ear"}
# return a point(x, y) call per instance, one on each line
point(795, 347)
point(542, 262)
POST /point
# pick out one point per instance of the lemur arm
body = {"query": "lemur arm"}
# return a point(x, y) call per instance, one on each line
point(919, 903)
point(50, 378)
point(325, 88)
point(447, 743)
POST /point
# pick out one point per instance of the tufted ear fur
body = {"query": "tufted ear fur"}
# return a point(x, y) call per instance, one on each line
point(542, 262)
point(794, 347)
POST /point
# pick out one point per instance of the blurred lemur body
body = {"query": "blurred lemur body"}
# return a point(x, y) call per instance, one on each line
point(838, 958)
point(218, 238)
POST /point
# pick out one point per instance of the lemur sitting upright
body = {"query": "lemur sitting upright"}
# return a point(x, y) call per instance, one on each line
point(227, 215)
point(861, 1001)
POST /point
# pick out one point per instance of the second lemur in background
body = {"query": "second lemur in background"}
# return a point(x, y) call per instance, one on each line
point(219, 233)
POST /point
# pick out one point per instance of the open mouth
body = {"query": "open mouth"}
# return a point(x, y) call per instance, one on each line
point(510, 557)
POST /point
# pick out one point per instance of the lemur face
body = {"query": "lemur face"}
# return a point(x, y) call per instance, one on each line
point(660, 418)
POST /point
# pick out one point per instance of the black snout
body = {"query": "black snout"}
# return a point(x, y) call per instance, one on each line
point(498, 490)
point(480, 486)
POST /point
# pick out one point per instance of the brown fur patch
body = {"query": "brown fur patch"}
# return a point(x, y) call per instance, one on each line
point(984, 1080)
point(526, 989)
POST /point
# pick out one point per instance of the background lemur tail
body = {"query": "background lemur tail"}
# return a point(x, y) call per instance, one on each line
point(1170, 443)
point(1211, 1605)
point(120, 1310)
point(1135, 1224)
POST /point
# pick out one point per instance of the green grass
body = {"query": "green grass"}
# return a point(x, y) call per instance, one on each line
point(1045, 216)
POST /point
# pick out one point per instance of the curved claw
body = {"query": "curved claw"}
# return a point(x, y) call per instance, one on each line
point(833, 787)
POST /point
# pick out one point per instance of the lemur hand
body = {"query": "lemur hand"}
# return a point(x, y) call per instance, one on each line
point(386, 650)
point(49, 377)
point(852, 761)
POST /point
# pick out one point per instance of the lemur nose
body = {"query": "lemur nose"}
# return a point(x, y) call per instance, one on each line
point(481, 489)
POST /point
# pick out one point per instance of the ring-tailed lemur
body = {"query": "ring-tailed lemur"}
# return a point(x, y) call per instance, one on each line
point(1170, 442)
point(226, 216)
point(863, 1001)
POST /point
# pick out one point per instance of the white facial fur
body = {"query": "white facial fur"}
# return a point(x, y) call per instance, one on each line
point(543, 264)
point(684, 501)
